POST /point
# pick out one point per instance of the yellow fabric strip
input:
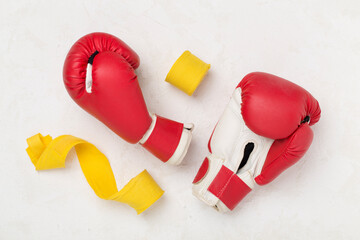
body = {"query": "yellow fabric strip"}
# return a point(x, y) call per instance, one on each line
point(47, 153)
point(187, 72)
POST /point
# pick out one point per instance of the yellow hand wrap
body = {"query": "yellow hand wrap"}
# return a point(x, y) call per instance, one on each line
point(45, 153)
point(187, 72)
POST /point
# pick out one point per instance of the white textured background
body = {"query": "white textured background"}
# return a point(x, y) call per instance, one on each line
point(315, 44)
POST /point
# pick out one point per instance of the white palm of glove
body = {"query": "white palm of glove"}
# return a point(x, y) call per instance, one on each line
point(236, 147)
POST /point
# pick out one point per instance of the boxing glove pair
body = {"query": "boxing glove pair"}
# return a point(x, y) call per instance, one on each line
point(264, 129)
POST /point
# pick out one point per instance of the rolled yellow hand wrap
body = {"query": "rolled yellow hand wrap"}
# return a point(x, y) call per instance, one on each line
point(47, 153)
point(187, 72)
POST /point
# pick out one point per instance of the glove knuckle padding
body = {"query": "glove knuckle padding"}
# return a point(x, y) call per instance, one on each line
point(274, 107)
point(76, 61)
point(285, 153)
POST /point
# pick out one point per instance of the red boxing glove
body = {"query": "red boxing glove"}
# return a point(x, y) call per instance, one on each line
point(264, 130)
point(99, 74)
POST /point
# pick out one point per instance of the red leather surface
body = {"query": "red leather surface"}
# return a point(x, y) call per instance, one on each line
point(74, 71)
point(116, 98)
point(164, 139)
point(202, 171)
point(284, 153)
point(229, 188)
point(274, 107)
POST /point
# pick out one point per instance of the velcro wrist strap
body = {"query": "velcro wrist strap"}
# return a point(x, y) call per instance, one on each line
point(47, 153)
point(164, 138)
point(228, 187)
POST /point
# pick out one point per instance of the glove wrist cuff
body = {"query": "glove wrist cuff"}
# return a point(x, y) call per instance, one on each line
point(220, 187)
point(168, 140)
